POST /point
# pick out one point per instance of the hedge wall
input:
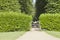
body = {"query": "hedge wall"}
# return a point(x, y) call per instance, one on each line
point(50, 22)
point(13, 21)
point(9, 5)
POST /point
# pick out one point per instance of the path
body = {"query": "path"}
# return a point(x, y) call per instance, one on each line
point(37, 35)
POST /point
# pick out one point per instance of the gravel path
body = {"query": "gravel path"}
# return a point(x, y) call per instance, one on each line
point(37, 35)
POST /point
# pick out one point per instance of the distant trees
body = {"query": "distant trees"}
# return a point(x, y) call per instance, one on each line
point(46, 6)
point(40, 8)
point(9, 5)
point(26, 6)
point(53, 6)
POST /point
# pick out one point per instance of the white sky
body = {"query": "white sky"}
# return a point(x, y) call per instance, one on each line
point(34, 2)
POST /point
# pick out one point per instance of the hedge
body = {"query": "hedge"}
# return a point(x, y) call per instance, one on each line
point(13, 21)
point(50, 22)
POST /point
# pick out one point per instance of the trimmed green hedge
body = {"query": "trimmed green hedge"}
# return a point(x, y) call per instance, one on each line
point(50, 22)
point(13, 21)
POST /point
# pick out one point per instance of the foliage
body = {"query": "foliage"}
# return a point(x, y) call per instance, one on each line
point(40, 8)
point(26, 6)
point(9, 5)
point(50, 22)
point(13, 21)
point(53, 6)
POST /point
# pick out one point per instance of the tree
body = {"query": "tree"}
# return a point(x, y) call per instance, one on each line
point(9, 5)
point(40, 8)
point(53, 6)
point(26, 6)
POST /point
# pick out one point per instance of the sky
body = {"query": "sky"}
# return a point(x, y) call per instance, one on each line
point(34, 2)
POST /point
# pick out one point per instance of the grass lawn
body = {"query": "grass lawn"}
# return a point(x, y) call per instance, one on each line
point(54, 33)
point(10, 35)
